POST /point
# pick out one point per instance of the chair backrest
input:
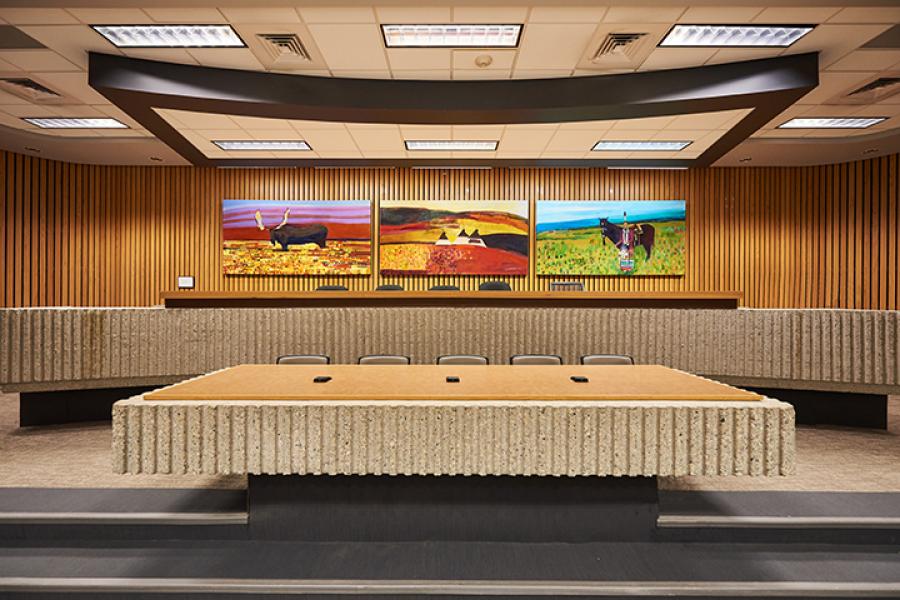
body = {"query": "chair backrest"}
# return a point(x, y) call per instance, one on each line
point(535, 359)
point(383, 359)
point(606, 359)
point(303, 359)
point(497, 286)
point(331, 288)
point(462, 359)
point(444, 288)
point(389, 287)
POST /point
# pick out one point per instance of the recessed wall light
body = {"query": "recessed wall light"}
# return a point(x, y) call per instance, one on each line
point(155, 159)
point(746, 159)
point(779, 36)
point(451, 36)
point(640, 146)
point(30, 149)
point(75, 123)
point(452, 145)
point(866, 151)
point(831, 122)
point(262, 145)
point(170, 36)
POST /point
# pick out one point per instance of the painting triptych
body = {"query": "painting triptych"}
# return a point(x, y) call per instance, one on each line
point(454, 237)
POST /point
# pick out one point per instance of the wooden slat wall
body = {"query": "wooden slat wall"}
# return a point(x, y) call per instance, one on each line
point(85, 235)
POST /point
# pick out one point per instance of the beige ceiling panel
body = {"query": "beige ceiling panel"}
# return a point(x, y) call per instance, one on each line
point(567, 14)
point(553, 46)
point(71, 41)
point(868, 60)
point(630, 134)
point(676, 58)
point(261, 14)
point(350, 46)
point(786, 115)
point(104, 16)
point(331, 140)
point(719, 14)
point(37, 61)
point(37, 16)
point(834, 110)
point(11, 100)
point(500, 59)
point(115, 112)
point(303, 126)
point(477, 132)
point(199, 120)
point(428, 74)
point(74, 85)
point(727, 55)
point(702, 121)
point(541, 73)
point(284, 134)
point(833, 42)
point(260, 123)
point(647, 123)
point(226, 58)
point(29, 110)
point(470, 74)
point(588, 125)
point(178, 16)
point(643, 14)
point(529, 141)
point(378, 140)
point(224, 134)
point(351, 74)
point(426, 132)
point(567, 140)
point(796, 14)
point(867, 14)
point(833, 83)
point(419, 58)
point(677, 134)
point(413, 14)
point(174, 55)
point(337, 14)
point(509, 15)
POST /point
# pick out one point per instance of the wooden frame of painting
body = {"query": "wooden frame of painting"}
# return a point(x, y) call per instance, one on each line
point(610, 237)
point(297, 237)
point(454, 237)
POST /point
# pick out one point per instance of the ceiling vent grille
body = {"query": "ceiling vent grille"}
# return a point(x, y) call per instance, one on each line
point(621, 45)
point(285, 49)
point(874, 91)
point(30, 90)
point(879, 84)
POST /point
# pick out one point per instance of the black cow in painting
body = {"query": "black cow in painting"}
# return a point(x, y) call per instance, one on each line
point(644, 235)
point(287, 235)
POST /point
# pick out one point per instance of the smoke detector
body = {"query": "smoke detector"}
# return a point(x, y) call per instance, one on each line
point(284, 49)
point(30, 90)
point(483, 61)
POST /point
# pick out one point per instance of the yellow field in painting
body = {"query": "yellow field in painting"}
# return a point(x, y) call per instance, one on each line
point(430, 233)
point(260, 258)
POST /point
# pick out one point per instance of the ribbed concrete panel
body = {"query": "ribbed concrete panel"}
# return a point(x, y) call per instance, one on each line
point(432, 438)
point(56, 348)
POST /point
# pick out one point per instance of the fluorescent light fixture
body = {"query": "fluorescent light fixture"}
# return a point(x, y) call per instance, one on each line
point(76, 123)
point(170, 36)
point(779, 36)
point(452, 145)
point(640, 146)
point(832, 123)
point(262, 145)
point(451, 36)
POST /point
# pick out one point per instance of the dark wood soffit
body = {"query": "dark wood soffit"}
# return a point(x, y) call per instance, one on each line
point(766, 86)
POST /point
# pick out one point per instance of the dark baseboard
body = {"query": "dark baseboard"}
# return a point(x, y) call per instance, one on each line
point(833, 408)
point(72, 406)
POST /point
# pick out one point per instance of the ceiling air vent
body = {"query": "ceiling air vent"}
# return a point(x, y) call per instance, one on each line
point(874, 91)
point(618, 46)
point(30, 90)
point(285, 49)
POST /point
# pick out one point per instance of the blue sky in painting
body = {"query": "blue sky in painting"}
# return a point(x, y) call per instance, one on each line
point(555, 215)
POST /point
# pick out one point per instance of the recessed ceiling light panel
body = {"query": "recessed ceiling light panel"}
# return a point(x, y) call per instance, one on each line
point(832, 123)
point(452, 145)
point(640, 146)
point(262, 145)
point(76, 123)
point(451, 36)
point(170, 36)
point(756, 36)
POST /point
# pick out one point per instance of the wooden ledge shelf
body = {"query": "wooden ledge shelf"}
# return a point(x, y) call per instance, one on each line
point(198, 299)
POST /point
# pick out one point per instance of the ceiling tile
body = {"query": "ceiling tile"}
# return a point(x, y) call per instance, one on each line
point(303, 126)
point(588, 125)
point(647, 123)
point(676, 58)
point(500, 59)
point(100, 16)
point(525, 140)
point(222, 134)
point(464, 74)
point(350, 46)
point(10, 99)
point(37, 60)
point(206, 16)
point(260, 123)
point(796, 14)
point(378, 140)
point(677, 134)
point(419, 58)
point(337, 14)
point(869, 60)
point(476, 132)
point(400, 74)
point(832, 42)
point(547, 46)
point(867, 14)
point(174, 55)
point(643, 14)
point(509, 15)
point(37, 16)
point(227, 58)
point(719, 14)
point(832, 84)
point(630, 134)
point(71, 41)
point(329, 140)
point(568, 140)
point(259, 14)
point(413, 14)
point(567, 14)
point(283, 134)
point(198, 120)
point(426, 132)
point(115, 112)
point(701, 121)
point(726, 55)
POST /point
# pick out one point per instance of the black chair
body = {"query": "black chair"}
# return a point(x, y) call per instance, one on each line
point(383, 359)
point(303, 359)
point(535, 359)
point(607, 359)
point(331, 288)
point(389, 287)
point(462, 359)
point(494, 286)
point(444, 288)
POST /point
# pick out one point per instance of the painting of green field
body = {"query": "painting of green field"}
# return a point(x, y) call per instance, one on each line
point(586, 238)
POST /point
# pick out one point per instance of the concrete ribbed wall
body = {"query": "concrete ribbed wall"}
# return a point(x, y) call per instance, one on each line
point(58, 348)
point(471, 438)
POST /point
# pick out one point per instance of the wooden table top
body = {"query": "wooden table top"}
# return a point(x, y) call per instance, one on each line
point(429, 382)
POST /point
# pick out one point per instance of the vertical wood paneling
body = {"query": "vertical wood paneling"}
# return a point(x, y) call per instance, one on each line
point(80, 235)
